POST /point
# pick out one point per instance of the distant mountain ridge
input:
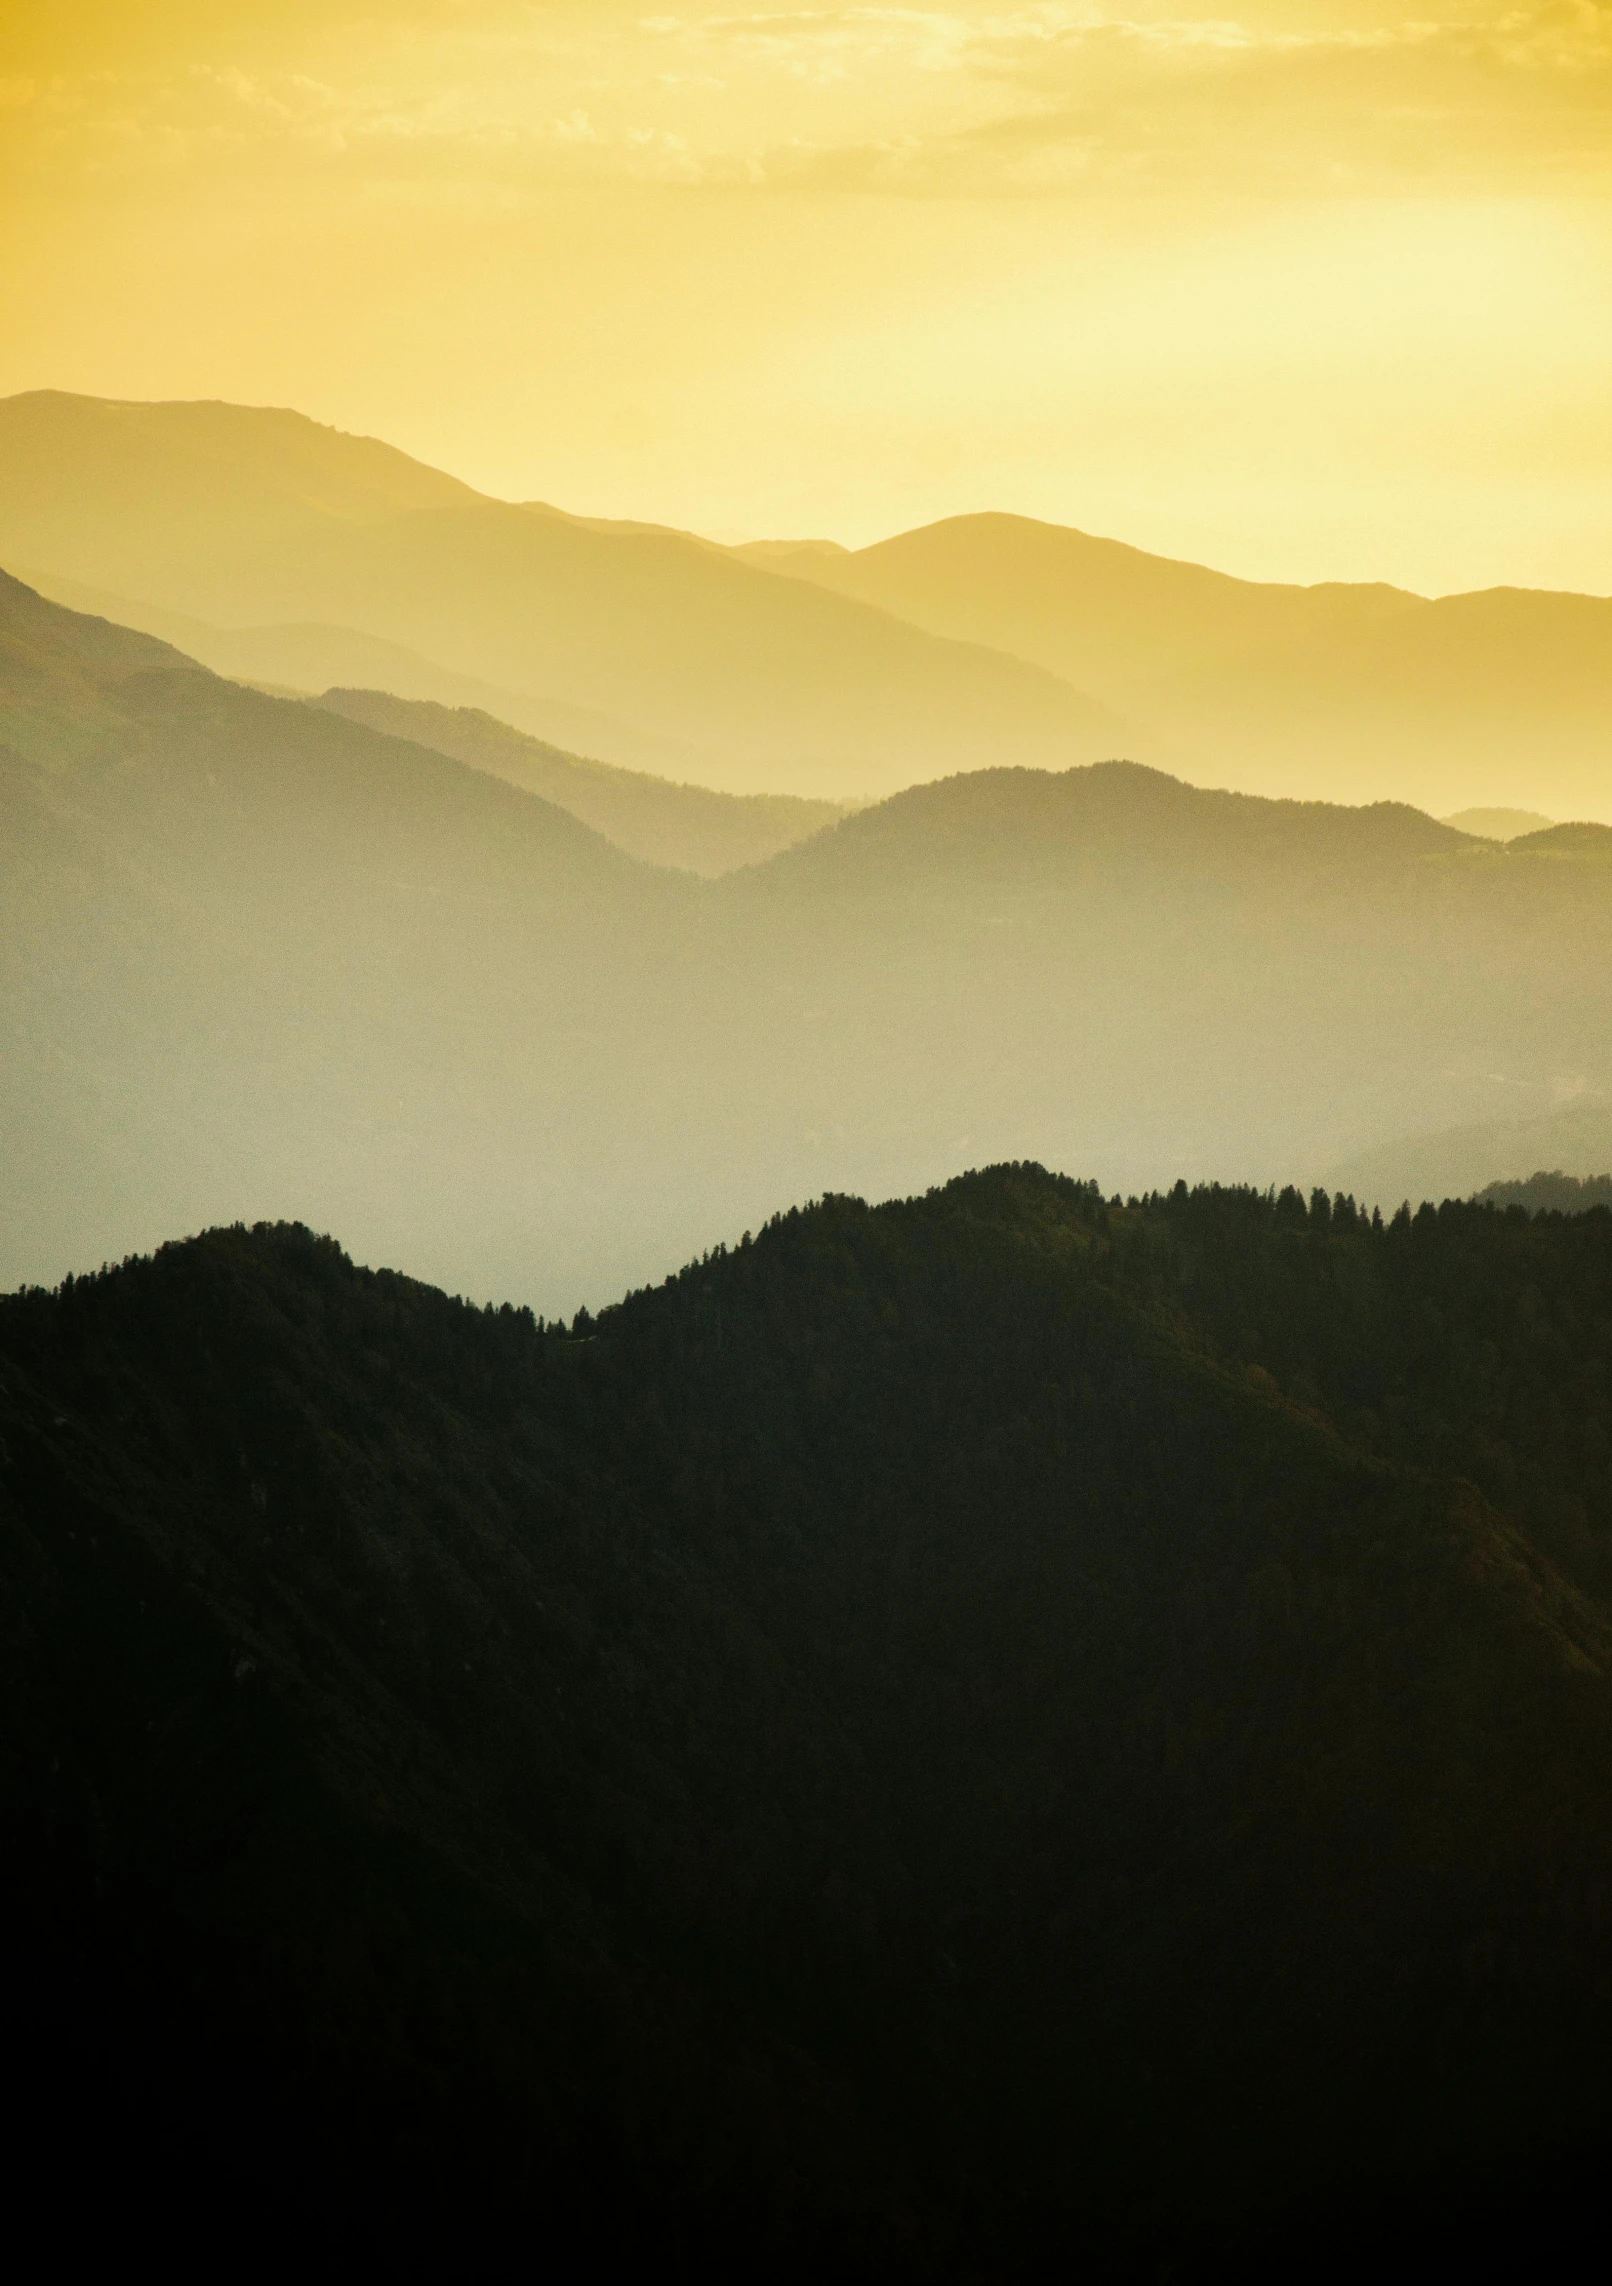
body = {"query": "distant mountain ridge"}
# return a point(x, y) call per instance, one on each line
point(1488, 1158)
point(1355, 693)
point(662, 821)
point(801, 667)
point(263, 958)
point(312, 657)
point(1096, 611)
point(253, 947)
point(273, 520)
point(1499, 825)
point(664, 824)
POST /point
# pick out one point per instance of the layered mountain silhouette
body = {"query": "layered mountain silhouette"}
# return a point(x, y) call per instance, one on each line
point(1039, 1724)
point(271, 547)
point(313, 658)
point(667, 824)
point(940, 1734)
point(1092, 610)
point(1355, 693)
point(265, 959)
point(1491, 696)
point(264, 518)
point(253, 947)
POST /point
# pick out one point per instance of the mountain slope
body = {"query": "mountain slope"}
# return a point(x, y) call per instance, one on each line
point(1105, 616)
point(263, 959)
point(166, 488)
point(899, 1748)
point(256, 952)
point(788, 688)
point(1124, 972)
point(314, 658)
point(1502, 698)
point(1352, 693)
point(1553, 1193)
point(664, 824)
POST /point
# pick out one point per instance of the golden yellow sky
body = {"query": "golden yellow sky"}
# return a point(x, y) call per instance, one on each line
point(1302, 290)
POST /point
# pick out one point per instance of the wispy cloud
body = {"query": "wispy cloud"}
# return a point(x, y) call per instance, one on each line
point(1037, 99)
point(1049, 97)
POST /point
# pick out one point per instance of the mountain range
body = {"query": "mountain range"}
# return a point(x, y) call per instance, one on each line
point(271, 547)
point(649, 817)
point(938, 1735)
point(308, 658)
point(988, 1724)
point(1092, 610)
point(263, 518)
point(1357, 693)
point(265, 959)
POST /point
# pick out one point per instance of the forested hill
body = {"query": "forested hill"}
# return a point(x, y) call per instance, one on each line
point(989, 1725)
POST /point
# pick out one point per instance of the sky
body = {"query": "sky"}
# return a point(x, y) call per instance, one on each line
point(1309, 289)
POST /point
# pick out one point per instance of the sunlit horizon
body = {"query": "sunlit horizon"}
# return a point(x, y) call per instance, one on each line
point(1312, 292)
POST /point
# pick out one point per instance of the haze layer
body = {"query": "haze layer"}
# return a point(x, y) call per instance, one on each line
point(265, 958)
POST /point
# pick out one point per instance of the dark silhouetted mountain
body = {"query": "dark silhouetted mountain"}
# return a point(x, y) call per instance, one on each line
point(263, 517)
point(942, 1734)
point(264, 959)
point(666, 824)
point(1353, 693)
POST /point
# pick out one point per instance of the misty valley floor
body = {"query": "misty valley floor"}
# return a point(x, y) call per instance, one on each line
point(1003, 1731)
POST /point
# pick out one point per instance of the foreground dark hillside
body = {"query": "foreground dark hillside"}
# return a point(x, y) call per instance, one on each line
point(991, 1730)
